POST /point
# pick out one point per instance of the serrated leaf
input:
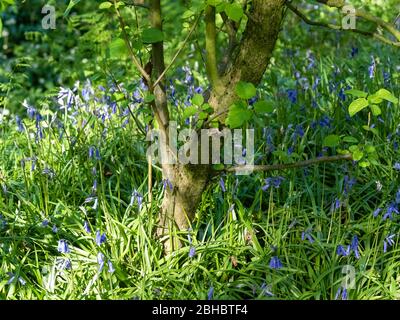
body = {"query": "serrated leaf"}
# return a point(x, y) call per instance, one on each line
point(263, 107)
point(234, 11)
point(357, 93)
point(105, 5)
point(357, 105)
point(331, 141)
point(245, 90)
point(152, 35)
point(189, 112)
point(198, 100)
point(386, 95)
point(376, 111)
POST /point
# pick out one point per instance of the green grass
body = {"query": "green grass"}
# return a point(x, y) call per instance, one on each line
point(236, 233)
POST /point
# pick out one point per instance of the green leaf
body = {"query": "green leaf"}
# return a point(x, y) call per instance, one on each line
point(214, 3)
point(149, 98)
point(218, 167)
point(1, 27)
point(198, 100)
point(386, 95)
point(374, 99)
point(189, 112)
point(350, 139)
point(354, 149)
point(263, 107)
point(118, 49)
point(358, 155)
point(357, 93)
point(203, 115)
point(245, 90)
point(357, 105)
point(71, 4)
point(152, 35)
point(364, 164)
point(237, 116)
point(331, 141)
point(376, 111)
point(370, 149)
point(105, 5)
point(234, 11)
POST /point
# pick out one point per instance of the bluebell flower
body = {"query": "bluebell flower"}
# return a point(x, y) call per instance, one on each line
point(354, 247)
point(97, 154)
point(266, 290)
point(86, 227)
point(54, 228)
point(388, 242)
point(100, 261)
point(192, 252)
point(392, 208)
point(340, 251)
point(372, 67)
point(45, 223)
point(20, 126)
point(342, 292)
point(100, 238)
point(292, 95)
point(397, 166)
point(136, 196)
point(376, 212)
point(63, 246)
point(325, 121)
point(398, 196)
point(111, 268)
point(348, 184)
point(275, 263)
point(12, 278)
point(210, 293)
point(91, 152)
point(167, 182)
point(222, 184)
point(354, 51)
point(337, 204)
point(307, 235)
point(31, 111)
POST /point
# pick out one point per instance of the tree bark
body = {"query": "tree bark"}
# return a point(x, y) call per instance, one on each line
point(247, 64)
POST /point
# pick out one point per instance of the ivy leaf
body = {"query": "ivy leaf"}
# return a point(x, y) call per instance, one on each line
point(234, 11)
point(198, 100)
point(237, 116)
point(105, 5)
point(331, 141)
point(245, 90)
point(152, 35)
point(357, 105)
point(386, 95)
point(263, 107)
point(189, 112)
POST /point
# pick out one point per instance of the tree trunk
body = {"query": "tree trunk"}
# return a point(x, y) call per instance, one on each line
point(248, 64)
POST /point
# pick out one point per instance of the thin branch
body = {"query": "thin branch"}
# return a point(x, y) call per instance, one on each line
point(178, 52)
point(139, 4)
point(340, 28)
point(128, 45)
point(211, 52)
point(300, 164)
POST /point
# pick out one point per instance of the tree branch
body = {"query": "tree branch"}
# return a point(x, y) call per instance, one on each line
point(179, 51)
point(211, 52)
point(300, 164)
point(340, 28)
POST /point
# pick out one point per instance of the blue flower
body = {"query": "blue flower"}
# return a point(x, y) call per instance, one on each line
point(354, 51)
point(397, 166)
point(97, 154)
point(341, 293)
point(292, 95)
point(20, 126)
point(100, 238)
point(45, 223)
point(192, 252)
point(266, 290)
point(91, 152)
point(306, 235)
point(210, 293)
point(390, 210)
point(340, 251)
point(86, 227)
point(111, 268)
point(398, 196)
point(371, 68)
point(388, 242)
point(222, 184)
point(167, 182)
point(63, 246)
point(54, 228)
point(275, 263)
point(274, 181)
point(100, 261)
point(376, 212)
point(348, 184)
point(354, 247)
